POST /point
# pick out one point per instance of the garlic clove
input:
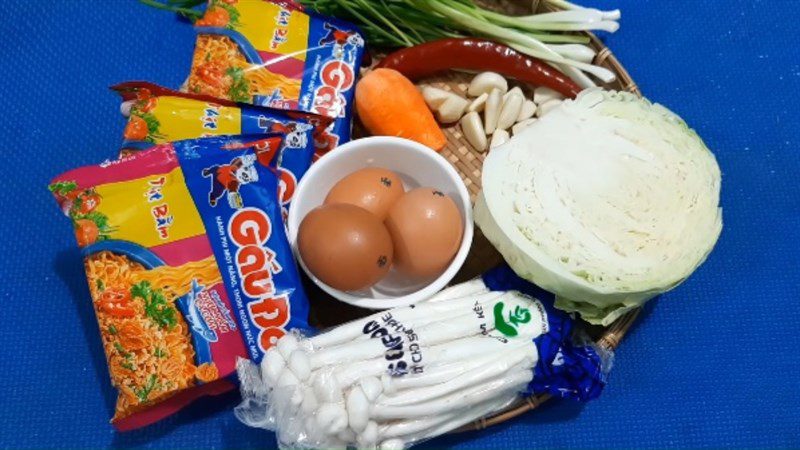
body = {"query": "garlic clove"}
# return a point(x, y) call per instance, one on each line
point(434, 97)
point(486, 81)
point(491, 111)
point(499, 137)
point(478, 104)
point(543, 94)
point(519, 126)
point(515, 91)
point(447, 106)
point(510, 111)
point(452, 109)
point(473, 130)
point(527, 111)
point(547, 106)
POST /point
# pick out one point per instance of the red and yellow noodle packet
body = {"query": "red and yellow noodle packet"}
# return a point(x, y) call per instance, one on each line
point(157, 115)
point(273, 53)
point(188, 266)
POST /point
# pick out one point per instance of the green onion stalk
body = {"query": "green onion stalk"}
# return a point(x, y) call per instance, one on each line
point(549, 36)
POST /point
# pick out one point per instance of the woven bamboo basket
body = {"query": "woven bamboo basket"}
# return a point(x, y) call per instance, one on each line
point(326, 312)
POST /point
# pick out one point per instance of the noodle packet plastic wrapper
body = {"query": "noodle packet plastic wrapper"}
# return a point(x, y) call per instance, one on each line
point(188, 266)
point(157, 115)
point(273, 53)
point(405, 375)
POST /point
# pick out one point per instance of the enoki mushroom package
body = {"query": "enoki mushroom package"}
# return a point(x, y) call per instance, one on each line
point(188, 267)
point(408, 374)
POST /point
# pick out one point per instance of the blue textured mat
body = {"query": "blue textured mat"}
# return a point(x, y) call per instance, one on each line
point(713, 363)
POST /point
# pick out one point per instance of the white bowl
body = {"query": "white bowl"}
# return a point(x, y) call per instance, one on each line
point(417, 166)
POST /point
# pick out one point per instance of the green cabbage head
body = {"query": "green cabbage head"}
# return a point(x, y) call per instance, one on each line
point(606, 201)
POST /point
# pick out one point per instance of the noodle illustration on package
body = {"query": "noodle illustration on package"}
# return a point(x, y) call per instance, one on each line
point(275, 54)
point(188, 267)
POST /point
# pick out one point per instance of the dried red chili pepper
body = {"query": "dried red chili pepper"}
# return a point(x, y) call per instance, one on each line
point(441, 55)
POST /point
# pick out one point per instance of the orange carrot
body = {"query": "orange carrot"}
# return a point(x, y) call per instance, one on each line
point(390, 105)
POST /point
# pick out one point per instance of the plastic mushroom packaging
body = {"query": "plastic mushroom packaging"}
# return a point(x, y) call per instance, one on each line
point(409, 374)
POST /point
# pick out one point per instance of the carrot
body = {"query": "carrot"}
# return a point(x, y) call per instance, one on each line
point(390, 105)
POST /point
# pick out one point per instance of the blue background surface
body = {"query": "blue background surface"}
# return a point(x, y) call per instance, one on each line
point(712, 363)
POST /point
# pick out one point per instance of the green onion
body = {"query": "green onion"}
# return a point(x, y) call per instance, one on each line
point(405, 23)
point(410, 22)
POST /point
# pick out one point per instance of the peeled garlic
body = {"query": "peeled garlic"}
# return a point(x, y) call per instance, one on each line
point(547, 106)
point(519, 126)
point(492, 111)
point(485, 82)
point(527, 110)
point(473, 130)
point(510, 111)
point(478, 104)
point(447, 106)
point(514, 91)
point(499, 137)
point(543, 94)
point(434, 96)
point(452, 109)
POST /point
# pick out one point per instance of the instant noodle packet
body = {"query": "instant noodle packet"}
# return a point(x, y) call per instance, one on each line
point(188, 266)
point(159, 115)
point(274, 53)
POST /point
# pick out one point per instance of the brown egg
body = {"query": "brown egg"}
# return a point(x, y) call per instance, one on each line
point(374, 189)
point(345, 246)
point(426, 229)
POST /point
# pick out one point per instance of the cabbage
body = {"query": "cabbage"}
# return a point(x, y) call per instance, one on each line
point(606, 201)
